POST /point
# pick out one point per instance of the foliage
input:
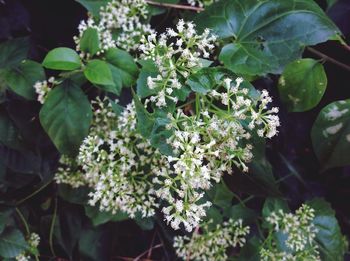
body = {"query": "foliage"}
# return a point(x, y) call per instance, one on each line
point(166, 119)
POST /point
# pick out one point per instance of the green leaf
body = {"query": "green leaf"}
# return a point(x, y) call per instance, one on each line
point(145, 120)
point(330, 135)
point(93, 6)
point(12, 243)
point(124, 69)
point(62, 58)
point(330, 3)
point(124, 62)
point(94, 242)
point(148, 69)
point(265, 35)
point(302, 85)
point(13, 52)
point(221, 195)
point(241, 212)
point(274, 205)
point(329, 237)
point(22, 78)
point(74, 195)
point(206, 79)
point(90, 42)
point(98, 217)
point(98, 72)
point(9, 134)
point(251, 250)
point(4, 218)
point(66, 117)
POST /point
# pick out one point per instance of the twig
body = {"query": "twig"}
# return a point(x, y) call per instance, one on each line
point(328, 59)
point(150, 250)
point(33, 193)
point(142, 254)
point(52, 227)
point(346, 47)
point(184, 7)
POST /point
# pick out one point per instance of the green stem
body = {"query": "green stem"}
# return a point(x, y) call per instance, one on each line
point(52, 229)
point(33, 194)
point(26, 226)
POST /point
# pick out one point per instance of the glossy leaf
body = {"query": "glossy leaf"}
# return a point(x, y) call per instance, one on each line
point(93, 6)
point(149, 69)
point(66, 117)
point(12, 243)
point(62, 58)
point(99, 217)
point(22, 78)
point(331, 135)
point(124, 69)
point(265, 35)
point(98, 72)
point(13, 52)
point(90, 42)
point(329, 237)
point(302, 84)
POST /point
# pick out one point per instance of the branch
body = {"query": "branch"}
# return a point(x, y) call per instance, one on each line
point(184, 7)
point(328, 59)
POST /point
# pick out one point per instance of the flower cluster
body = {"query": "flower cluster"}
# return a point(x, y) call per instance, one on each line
point(69, 172)
point(33, 243)
point(209, 244)
point(43, 88)
point(121, 24)
point(105, 36)
point(201, 3)
point(300, 231)
point(127, 18)
point(177, 54)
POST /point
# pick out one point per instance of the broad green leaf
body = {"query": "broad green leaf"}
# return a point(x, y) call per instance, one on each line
point(241, 212)
point(93, 6)
point(160, 134)
point(124, 62)
point(13, 52)
point(90, 42)
point(145, 120)
point(265, 35)
point(62, 58)
point(22, 78)
point(94, 242)
point(74, 195)
point(66, 117)
point(99, 217)
point(98, 72)
point(274, 205)
point(302, 85)
point(329, 237)
point(123, 68)
point(12, 243)
point(206, 79)
point(251, 250)
point(330, 135)
point(149, 69)
point(221, 195)
point(4, 218)
point(9, 134)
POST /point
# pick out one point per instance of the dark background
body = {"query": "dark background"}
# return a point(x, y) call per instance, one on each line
point(53, 23)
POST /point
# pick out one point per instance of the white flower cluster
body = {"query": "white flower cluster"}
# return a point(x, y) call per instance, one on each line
point(69, 172)
point(201, 3)
point(33, 243)
point(42, 88)
point(127, 18)
point(300, 231)
point(243, 107)
point(115, 161)
point(104, 35)
point(211, 245)
point(121, 24)
point(177, 54)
